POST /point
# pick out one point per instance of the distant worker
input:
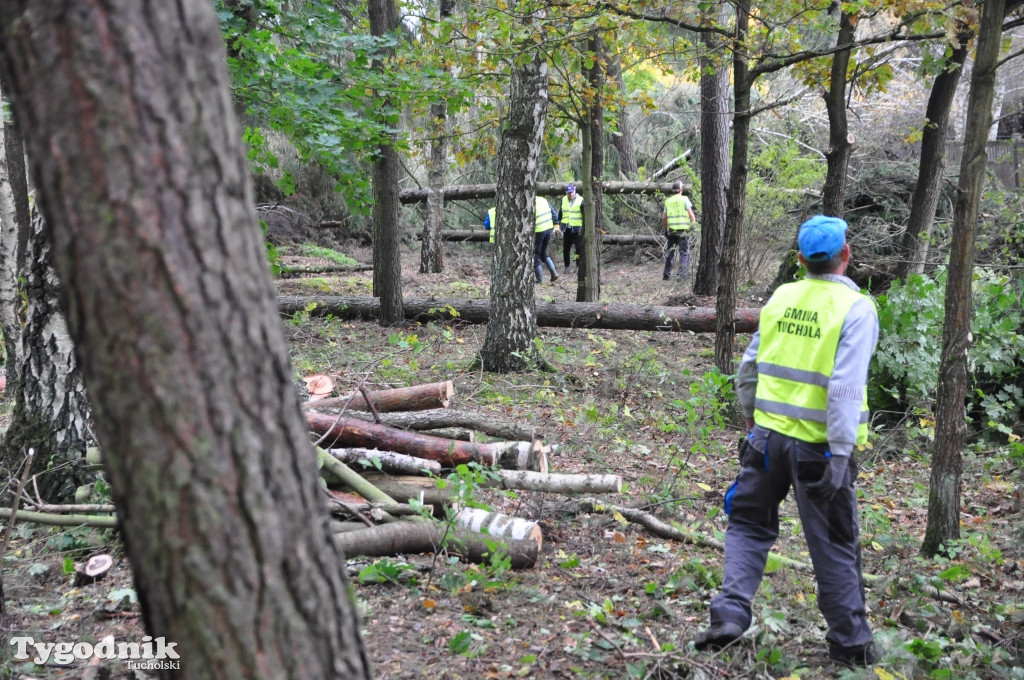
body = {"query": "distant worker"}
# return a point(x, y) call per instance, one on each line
point(677, 230)
point(546, 218)
point(571, 219)
point(489, 222)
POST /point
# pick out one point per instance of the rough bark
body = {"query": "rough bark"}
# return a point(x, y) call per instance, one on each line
point(622, 136)
point(588, 277)
point(509, 337)
point(337, 431)
point(51, 411)
point(547, 314)
point(461, 192)
point(726, 301)
point(950, 409)
point(411, 398)
point(399, 538)
point(451, 418)
point(142, 176)
point(387, 263)
point(714, 164)
point(929, 171)
point(840, 140)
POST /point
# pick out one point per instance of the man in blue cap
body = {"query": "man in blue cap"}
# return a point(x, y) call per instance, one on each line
point(802, 386)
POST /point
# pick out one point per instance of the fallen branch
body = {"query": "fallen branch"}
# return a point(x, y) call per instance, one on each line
point(303, 270)
point(33, 517)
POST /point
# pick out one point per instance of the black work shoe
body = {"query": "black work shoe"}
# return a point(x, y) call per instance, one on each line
point(719, 635)
point(554, 277)
point(861, 655)
point(665, 277)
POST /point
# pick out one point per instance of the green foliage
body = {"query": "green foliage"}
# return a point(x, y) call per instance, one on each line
point(905, 368)
point(384, 571)
point(310, 250)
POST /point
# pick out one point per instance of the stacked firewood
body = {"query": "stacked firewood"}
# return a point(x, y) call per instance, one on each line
point(382, 454)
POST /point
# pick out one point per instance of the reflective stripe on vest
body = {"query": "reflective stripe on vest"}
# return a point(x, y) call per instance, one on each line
point(544, 221)
point(799, 331)
point(675, 210)
point(572, 213)
point(491, 215)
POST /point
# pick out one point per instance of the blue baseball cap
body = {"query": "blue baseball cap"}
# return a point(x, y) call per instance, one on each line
point(821, 237)
point(570, 188)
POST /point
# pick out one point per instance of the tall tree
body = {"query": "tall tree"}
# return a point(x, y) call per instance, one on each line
point(387, 262)
point(714, 160)
point(431, 253)
point(513, 326)
point(142, 176)
point(933, 154)
point(840, 139)
point(588, 288)
point(950, 409)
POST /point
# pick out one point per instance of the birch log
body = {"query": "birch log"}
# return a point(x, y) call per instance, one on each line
point(389, 461)
point(399, 538)
point(446, 418)
point(550, 482)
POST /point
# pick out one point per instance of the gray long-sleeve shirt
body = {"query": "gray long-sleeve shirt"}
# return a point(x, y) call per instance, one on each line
point(857, 342)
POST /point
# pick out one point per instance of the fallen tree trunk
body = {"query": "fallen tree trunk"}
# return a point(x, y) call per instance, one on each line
point(411, 398)
point(303, 270)
point(350, 432)
point(549, 314)
point(399, 538)
point(447, 418)
point(424, 491)
point(482, 235)
point(461, 192)
point(499, 525)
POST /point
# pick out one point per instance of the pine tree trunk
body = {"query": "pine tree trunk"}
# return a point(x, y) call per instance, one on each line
point(51, 410)
point(714, 166)
point(513, 325)
point(929, 172)
point(950, 409)
point(387, 263)
point(142, 175)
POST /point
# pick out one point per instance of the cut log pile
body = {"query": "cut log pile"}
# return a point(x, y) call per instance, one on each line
point(383, 471)
point(388, 481)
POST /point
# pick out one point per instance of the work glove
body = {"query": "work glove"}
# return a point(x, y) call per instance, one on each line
point(831, 481)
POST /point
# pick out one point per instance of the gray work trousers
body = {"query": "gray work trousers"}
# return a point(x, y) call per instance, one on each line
point(771, 464)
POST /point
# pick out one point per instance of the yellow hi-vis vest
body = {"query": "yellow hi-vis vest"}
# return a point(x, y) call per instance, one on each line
point(799, 331)
point(491, 215)
point(675, 210)
point(544, 221)
point(572, 213)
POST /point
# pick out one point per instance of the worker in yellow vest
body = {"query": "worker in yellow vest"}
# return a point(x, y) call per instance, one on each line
point(545, 227)
point(489, 222)
point(802, 386)
point(679, 220)
point(571, 219)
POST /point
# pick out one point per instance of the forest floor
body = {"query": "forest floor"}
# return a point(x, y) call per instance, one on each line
point(608, 599)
